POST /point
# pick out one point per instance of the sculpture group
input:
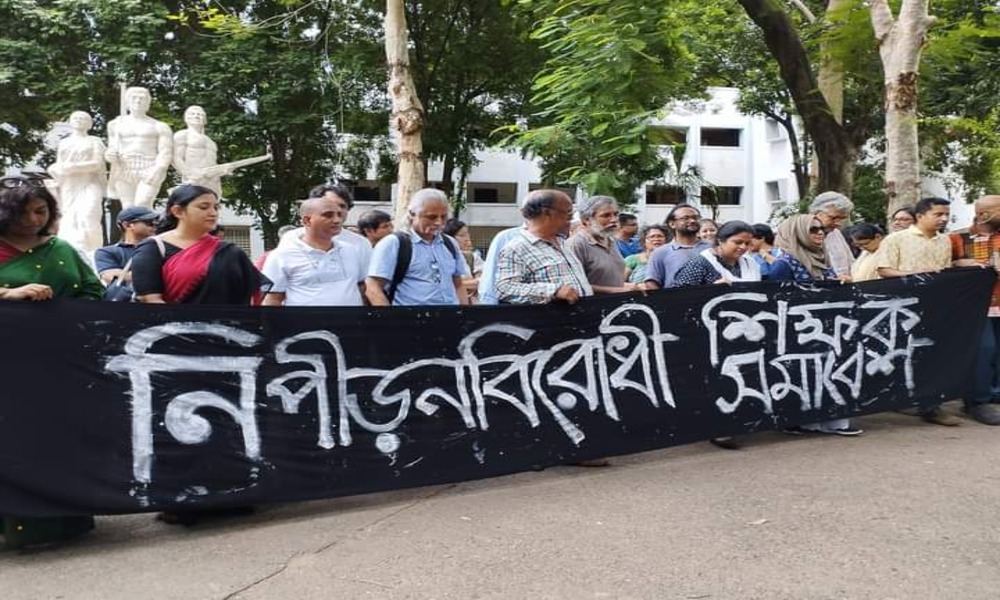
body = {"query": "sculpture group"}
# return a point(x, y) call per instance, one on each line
point(133, 165)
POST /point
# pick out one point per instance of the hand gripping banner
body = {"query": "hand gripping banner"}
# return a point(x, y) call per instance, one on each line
point(112, 408)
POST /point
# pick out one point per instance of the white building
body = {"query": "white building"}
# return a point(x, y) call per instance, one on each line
point(748, 160)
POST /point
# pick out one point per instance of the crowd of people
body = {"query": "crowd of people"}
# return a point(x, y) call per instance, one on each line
point(563, 252)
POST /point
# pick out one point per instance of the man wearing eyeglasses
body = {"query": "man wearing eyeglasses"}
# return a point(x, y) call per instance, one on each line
point(665, 261)
point(136, 223)
point(433, 274)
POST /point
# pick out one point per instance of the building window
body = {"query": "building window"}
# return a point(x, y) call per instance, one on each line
point(239, 235)
point(773, 190)
point(775, 131)
point(721, 196)
point(371, 191)
point(491, 193)
point(664, 194)
point(726, 138)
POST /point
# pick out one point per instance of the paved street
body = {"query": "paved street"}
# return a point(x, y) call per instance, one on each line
point(906, 511)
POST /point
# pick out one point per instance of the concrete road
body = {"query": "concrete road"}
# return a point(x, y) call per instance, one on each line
point(907, 511)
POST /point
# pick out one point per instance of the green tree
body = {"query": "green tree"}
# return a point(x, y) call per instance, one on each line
point(473, 64)
point(612, 67)
point(58, 56)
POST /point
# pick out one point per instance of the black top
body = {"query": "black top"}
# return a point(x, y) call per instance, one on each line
point(231, 279)
point(698, 271)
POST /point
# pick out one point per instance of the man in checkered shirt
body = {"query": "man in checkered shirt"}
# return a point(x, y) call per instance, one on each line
point(537, 267)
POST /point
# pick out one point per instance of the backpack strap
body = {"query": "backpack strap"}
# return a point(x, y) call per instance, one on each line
point(448, 241)
point(403, 257)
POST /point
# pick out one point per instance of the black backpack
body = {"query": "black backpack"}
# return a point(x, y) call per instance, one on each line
point(406, 254)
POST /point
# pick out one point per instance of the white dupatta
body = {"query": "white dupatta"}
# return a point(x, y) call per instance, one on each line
point(749, 269)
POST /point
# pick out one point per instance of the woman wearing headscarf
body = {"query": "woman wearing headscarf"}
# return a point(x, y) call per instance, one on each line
point(802, 258)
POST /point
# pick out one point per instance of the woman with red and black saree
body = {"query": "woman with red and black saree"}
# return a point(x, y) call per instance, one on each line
point(36, 265)
point(184, 264)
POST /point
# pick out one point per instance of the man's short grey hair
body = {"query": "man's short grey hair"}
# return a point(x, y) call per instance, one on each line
point(537, 202)
point(423, 196)
point(832, 201)
point(589, 207)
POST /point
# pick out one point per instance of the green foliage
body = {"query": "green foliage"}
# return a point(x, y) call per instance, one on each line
point(63, 55)
point(960, 131)
point(612, 67)
point(472, 63)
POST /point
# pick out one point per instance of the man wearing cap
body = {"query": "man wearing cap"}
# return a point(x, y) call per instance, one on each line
point(136, 224)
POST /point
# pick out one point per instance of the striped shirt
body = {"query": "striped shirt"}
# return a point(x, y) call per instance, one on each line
point(531, 270)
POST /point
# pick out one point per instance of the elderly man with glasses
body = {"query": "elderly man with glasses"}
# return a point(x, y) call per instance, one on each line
point(422, 266)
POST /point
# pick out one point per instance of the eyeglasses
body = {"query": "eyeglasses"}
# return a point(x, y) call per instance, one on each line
point(16, 181)
point(816, 230)
point(686, 218)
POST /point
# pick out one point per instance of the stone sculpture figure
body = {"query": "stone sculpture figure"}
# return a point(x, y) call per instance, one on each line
point(196, 155)
point(139, 151)
point(194, 152)
point(80, 178)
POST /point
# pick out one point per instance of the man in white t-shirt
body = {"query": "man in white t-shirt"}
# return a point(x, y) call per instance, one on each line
point(316, 268)
point(342, 196)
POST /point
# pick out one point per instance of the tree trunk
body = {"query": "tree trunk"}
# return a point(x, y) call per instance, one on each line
point(407, 113)
point(799, 170)
point(835, 153)
point(900, 44)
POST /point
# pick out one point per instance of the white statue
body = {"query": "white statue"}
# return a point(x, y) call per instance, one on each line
point(80, 178)
point(194, 151)
point(139, 151)
point(196, 155)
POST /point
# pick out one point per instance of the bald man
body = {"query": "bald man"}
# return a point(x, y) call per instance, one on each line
point(314, 268)
point(980, 246)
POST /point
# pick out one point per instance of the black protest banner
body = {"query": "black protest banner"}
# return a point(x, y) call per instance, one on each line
point(111, 408)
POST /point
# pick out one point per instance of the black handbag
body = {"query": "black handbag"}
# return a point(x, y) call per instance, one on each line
point(118, 290)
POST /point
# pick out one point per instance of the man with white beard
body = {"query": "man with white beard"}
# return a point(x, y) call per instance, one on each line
point(594, 245)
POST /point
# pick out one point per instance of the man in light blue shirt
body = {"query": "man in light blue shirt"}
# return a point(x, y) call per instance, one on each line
point(436, 267)
point(666, 260)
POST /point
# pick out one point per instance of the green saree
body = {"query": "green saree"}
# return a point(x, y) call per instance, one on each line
point(58, 265)
point(55, 264)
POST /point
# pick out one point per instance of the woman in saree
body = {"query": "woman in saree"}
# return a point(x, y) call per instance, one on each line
point(185, 264)
point(36, 265)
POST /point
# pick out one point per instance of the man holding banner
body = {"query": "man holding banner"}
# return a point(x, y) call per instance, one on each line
point(537, 267)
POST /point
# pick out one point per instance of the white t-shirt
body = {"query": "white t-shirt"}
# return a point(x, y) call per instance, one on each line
point(312, 277)
point(346, 236)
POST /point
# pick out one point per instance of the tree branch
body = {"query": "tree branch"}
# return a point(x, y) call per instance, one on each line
point(882, 20)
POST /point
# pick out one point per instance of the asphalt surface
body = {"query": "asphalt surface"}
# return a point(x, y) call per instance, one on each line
point(907, 511)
